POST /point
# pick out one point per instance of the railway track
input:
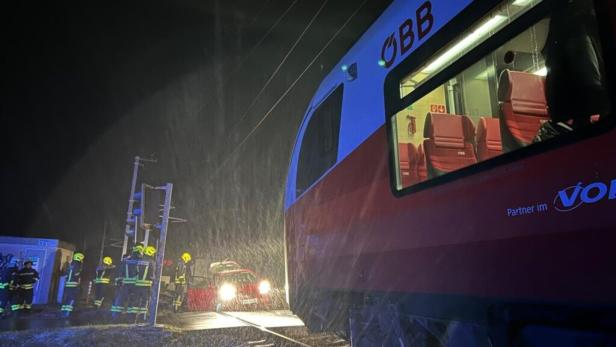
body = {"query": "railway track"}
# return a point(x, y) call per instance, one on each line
point(281, 337)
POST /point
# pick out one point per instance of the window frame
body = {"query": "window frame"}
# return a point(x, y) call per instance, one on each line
point(468, 17)
point(339, 88)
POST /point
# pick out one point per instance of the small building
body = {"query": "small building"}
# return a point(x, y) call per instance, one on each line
point(48, 257)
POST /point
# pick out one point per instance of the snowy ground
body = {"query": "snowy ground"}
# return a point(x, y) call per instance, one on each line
point(45, 327)
point(120, 335)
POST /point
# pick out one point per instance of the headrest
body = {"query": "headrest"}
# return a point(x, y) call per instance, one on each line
point(488, 131)
point(522, 86)
point(448, 130)
point(406, 151)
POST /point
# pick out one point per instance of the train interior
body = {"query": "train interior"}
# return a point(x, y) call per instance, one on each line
point(496, 105)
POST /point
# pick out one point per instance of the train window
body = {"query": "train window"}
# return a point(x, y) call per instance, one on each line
point(524, 92)
point(319, 149)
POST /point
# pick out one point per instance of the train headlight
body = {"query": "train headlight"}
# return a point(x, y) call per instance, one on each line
point(264, 287)
point(227, 292)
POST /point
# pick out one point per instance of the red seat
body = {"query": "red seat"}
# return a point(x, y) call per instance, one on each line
point(488, 138)
point(407, 155)
point(449, 143)
point(523, 107)
point(422, 170)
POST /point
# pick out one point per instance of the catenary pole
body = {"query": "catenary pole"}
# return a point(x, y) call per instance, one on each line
point(160, 255)
point(131, 201)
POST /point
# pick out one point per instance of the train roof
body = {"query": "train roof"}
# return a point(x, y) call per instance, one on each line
point(363, 103)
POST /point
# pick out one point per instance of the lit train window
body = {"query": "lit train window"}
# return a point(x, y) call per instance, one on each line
point(319, 149)
point(528, 90)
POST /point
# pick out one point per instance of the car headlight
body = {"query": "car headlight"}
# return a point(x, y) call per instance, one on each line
point(264, 287)
point(227, 292)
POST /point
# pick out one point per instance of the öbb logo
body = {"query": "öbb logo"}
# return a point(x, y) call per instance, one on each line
point(406, 36)
point(573, 197)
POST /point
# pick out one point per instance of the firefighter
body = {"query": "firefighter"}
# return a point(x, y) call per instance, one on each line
point(145, 275)
point(13, 286)
point(125, 281)
point(72, 286)
point(102, 282)
point(6, 272)
point(182, 280)
point(26, 279)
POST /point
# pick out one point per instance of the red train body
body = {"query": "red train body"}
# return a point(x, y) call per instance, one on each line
point(461, 232)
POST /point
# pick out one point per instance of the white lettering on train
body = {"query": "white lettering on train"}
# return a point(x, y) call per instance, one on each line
point(424, 20)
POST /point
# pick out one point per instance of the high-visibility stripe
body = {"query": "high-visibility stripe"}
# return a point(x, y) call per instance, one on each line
point(27, 306)
point(129, 280)
point(26, 286)
point(1, 310)
point(138, 310)
point(143, 283)
point(15, 307)
point(71, 284)
point(100, 277)
point(4, 285)
point(117, 308)
point(66, 308)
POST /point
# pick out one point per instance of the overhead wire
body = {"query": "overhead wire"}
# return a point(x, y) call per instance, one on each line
point(239, 65)
point(288, 90)
point(269, 31)
point(281, 64)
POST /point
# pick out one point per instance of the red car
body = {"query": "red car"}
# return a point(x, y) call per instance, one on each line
point(238, 289)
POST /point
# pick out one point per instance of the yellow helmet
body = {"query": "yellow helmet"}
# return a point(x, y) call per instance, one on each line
point(138, 248)
point(149, 251)
point(107, 261)
point(186, 257)
point(78, 256)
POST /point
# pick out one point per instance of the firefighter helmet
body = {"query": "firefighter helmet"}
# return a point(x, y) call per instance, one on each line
point(107, 261)
point(150, 251)
point(186, 257)
point(138, 248)
point(78, 256)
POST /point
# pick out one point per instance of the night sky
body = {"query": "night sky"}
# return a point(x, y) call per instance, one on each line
point(86, 86)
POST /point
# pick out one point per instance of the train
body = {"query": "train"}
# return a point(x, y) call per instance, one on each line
point(453, 180)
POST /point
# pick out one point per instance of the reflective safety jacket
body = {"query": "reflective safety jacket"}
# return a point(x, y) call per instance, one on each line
point(145, 272)
point(128, 271)
point(26, 278)
point(73, 274)
point(104, 274)
point(183, 273)
point(13, 278)
point(6, 274)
